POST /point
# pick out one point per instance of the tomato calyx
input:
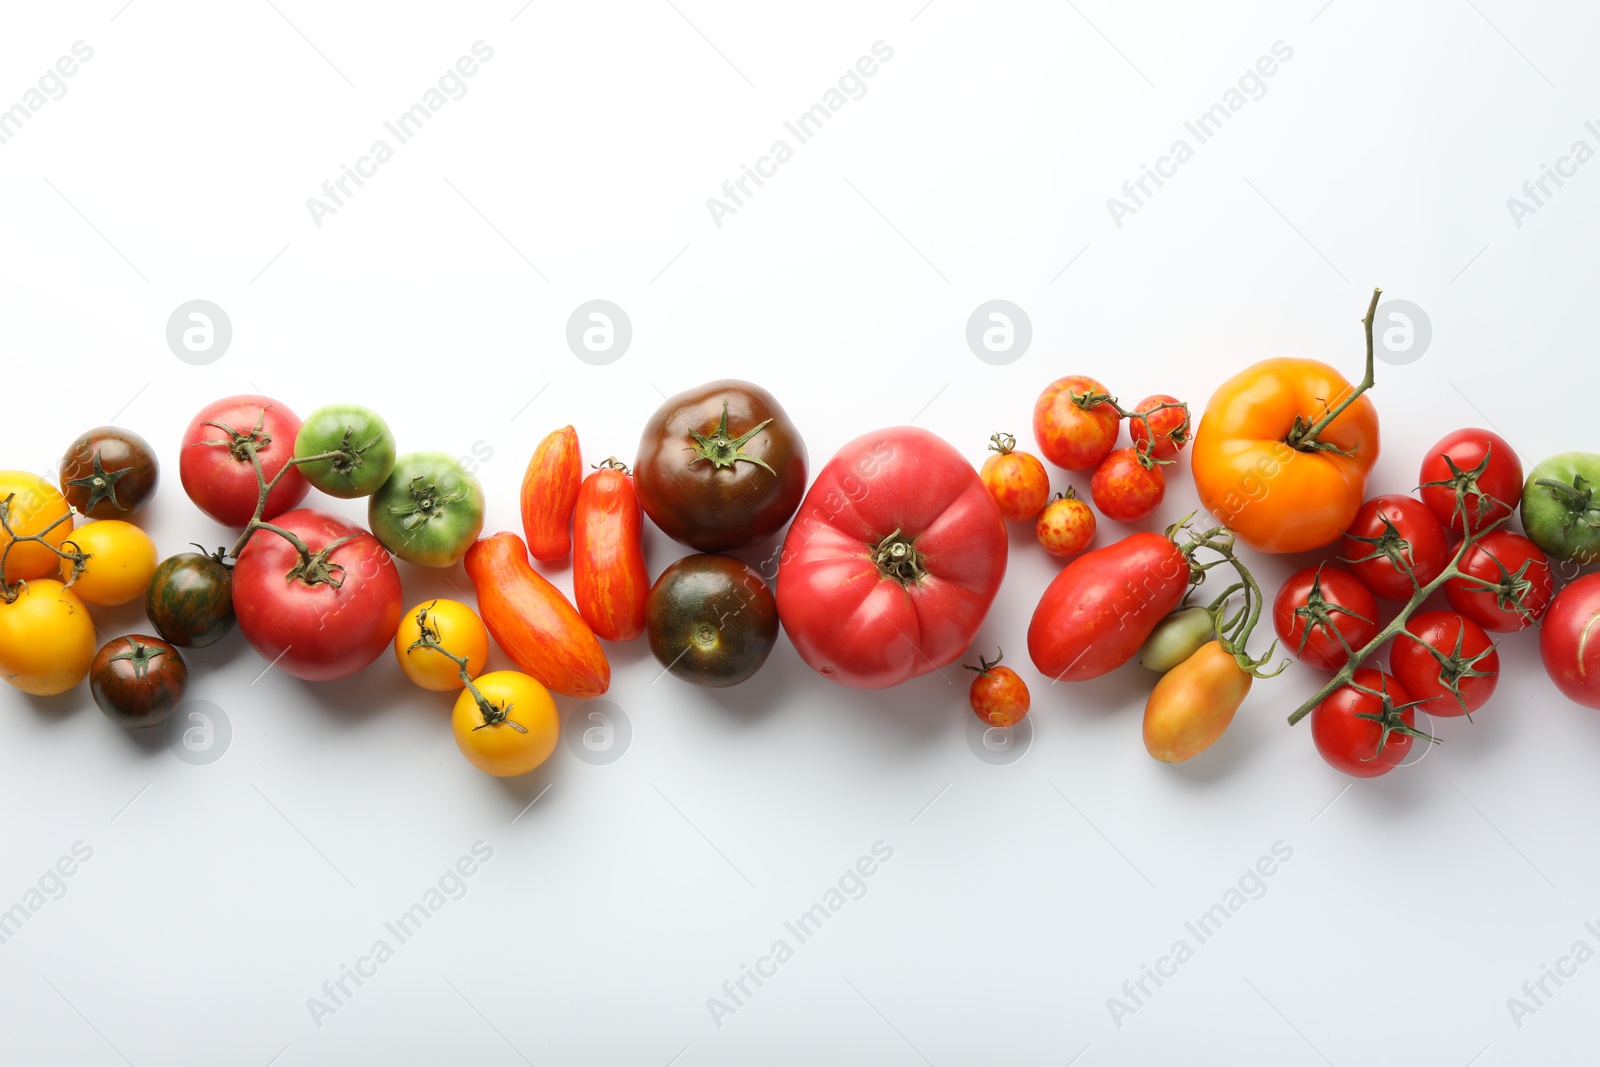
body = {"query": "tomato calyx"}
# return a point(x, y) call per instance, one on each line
point(242, 446)
point(1003, 443)
point(985, 666)
point(1388, 545)
point(219, 556)
point(139, 654)
point(1318, 612)
point(9, 591)
point(1232, 630)
point(1143, 449)
point(314, 568)
point(1464, 483)
point(612, 463)
point(1455, 666)
point(723, 451)
point(1303, 434)
point(1511, 591)
point(1576, 497)
point(1390, 718)
point(897, 558)
point(427, 500)
point(101, 483)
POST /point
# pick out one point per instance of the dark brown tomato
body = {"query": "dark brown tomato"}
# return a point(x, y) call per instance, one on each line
point(711, 620)
point(720, 466)
point(137, 680)
point(190, 599)
point(109, 473)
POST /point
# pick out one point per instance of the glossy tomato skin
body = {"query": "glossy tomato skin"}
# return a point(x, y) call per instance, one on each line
point(496, 746)
point(716, 504)
point(219, 477)
point(1499, 487)
point(1017, 481)
point(47, 639)
point(1350, 743)
point(340, 427)
point(316, 632)
point(1569, 641)
point(1307, 629)
point(190, 599)
point(1474, 667)
point(998, 695)
point(1066, 525)
point(1070, 434)
point(1277, 498)
point(1194, 703)
point(1560, 511)
point(610, 582)
point(900, 493)
point(1100, 609)
point(109, 473)
point(1412, 549)
point(120, 560)
point(34, 508)
point(1124, 489)
point(549, 494)
point(712, 620)
point(1168, 428)
point(1496, 555)
point(458, 631)
point(137, 680)
point(429, 511)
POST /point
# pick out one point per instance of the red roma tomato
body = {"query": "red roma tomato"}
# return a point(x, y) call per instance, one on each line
point(1073, 424)
point(609, 579)
point(1170, 426)
point(1098, 611)
point(1395, 545)
point(1319, 605)
point(1506, 583)
point(1359, 746)
point(1569, 641)
point(322, 620)
point(891, 562)
point(1483, 466)
point(215, 467)
point(1066, 525)
point(1016, 480)
point(1447, 660)
point(1124, 489)
point(998, 695)
point(549, 493)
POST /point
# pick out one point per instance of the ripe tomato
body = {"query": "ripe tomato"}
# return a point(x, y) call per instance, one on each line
point(215, 466)
point(361, 436)
point(549, 493)
point(137, 680)
point(998, 695)
point(47, 639)
point(109, 473)
point(1567, 646)
point(712, 620)
point(429, 511)
point(322, 621)
point(1395, 546)
point(1364, 728)
point(190, 599)
point(1073, 423)
point(892, 562)
point(1168, 427)
point(1276, 497)
point(1193, 703)
point(1471, 478)
point(456, 628)
point(1098, 611)
point(1506, 583)
point(515, 734)
point(31, 506)
point(1016, 480)
point(121, 560)
point(1447, 660)
point(1317, 607)
point(1066, 525)
point(609, 580)
point(1124, 489)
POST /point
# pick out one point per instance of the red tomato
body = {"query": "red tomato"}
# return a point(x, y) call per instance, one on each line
point(1483, 466)
point(1170, 426)
point(892, 561)
point(322, 622)
point(1098, 611)
point(1571, 658)
point(1073, 424)
point(1066, 525)
point(1016, 480)
point(1395, 545)
point(1316, 607)
point(998, 694)
point(1360, 746)
point(215, 467)
point(1507, 582)
point(609, 581)
point(1447, 661)
point(1124, 489)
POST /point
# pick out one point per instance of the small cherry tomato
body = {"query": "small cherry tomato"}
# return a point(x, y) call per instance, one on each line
point(998, 695)
point(1322, 614)
point(1366, 728)
point(1168, 426)
point(137, 680)
point(454, 627)
point(1016, 480)
point(1471, 478)
point(1066, 525)
point(31, 507)
point(109, 473)
point(1447, 660)
point(1073, 423)
point(121, 560)
point(1126, 490)
point(1506, 584)
point(514, 733)
point(1395, 545)
point(47, 639)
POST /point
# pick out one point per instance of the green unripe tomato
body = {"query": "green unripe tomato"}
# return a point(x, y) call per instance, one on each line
point(1176, 638)
point(429, 511)
point(1560, 511)
point(365, 441)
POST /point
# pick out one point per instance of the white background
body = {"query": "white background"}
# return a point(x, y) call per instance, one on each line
point(977, 166)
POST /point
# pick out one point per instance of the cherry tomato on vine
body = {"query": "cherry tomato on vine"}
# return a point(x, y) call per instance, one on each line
point(1126, 490)
point(214, 464)
point(1395, 545)
point(1506, 583)
point(1364, 728)
point(1470, 479)
point(1016, 480)
point(137, 680)
point(121, 560)
point(1066, 525)
point(998, 695)
point(1447, 660)
point(1168, 427)
point(31, 506)
point(47, 639)
point(457, 629)
point(1315, 607)
point(109, 473)
point(517, 732)
point(1074, 424)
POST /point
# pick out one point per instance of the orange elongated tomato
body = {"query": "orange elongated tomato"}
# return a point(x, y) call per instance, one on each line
point(609, 579)
point(530, 619)
point(1275, 497)
point(549, 493)
point(1193, 704)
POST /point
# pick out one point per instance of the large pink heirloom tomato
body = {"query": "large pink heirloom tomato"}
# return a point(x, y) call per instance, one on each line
point(892, 561)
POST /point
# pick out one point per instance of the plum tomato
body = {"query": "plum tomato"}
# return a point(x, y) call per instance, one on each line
point(31, 507)
point(109, 473)
point(1124, 488)
point(512, 731)
point(119, 561)
point(711, 620)
point(1324, 613)
point(1505, 582)
point(214, 464)
point(137, 680)
point(1066, 525)
point(453, 627)
point(190, 599)
point(1168, 427)
point(1366, 727)
point(1074, 422)
point(363, 440)
point(1395, 545)
point(1446, 660)
point(1016, 480)
point(429, 511)
point(998, 695)
point(1471, 479)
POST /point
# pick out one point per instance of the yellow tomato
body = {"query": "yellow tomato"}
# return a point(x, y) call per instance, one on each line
point(492, 741)
point(34, 505)
point(47, 639)
point(121, 560)
point(456, 627)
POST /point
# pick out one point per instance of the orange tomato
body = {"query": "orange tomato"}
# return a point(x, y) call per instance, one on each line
point(549, 493)
point(1275, 497)
point(609, 579)
point(121, 560)
point(1193, 704)
point(35, 504)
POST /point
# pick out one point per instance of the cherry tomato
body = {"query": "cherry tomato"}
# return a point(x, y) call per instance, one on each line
point(1506, 583)
point(1447, 660)
point(109, 473)
point(31, 506)
point(137, 680)
point(1395, 545)
point(121, 560)
point(1066, 525)
point(1364, 728)
point(1169, 427)
point(1316, 607)
point(1472, 477)
point(46, 638)
point(456, 628)
point(998, 694)
point(1126, 490)
point(1073, 423)
point(1016, 480)
point(215, 466)
point(517, 731)
point(1571, 658)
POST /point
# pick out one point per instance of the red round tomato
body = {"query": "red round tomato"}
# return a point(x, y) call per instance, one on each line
point(1447, 660)
point(324, 616)
point(998, 694)
point(1471, 478)
point(1124, 489)
point(892, 561)
point(1569, 641)
point(1364, 728)
point(1506, 583)
point(215, 466)
point(1395, 545)
point(1169, 427)
point(1323, 614)
point(1073, 424)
